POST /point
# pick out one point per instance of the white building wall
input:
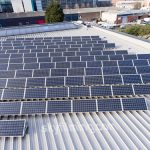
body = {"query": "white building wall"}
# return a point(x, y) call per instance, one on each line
point(39, 5)
point(27, 5)
point(17, 6)
point(109, 17)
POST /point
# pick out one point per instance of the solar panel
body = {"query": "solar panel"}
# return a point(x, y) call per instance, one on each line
point(125, 63)
point(76, 72)
point(33, 107)
point(12, 128)
point(7, 74)
point(23, 73)
point(109, 105)
point(46, 65)
point(13, 94)
point(116, 79)
point(74, 81)
point(134, 104)
point(142, 89)
point(31, 66)
point(4, 60)
point(143, 69)
point(108, 52)
point(59, 81)
point(128, 57)
point(94, 64)
point(84, 106)
point(87, 58)
point(68, 53)
point(96, 52)
point(93, 71)
point(59, 106)
point(131, 79)
point(122, 90)
point(12, 108)
point(76, 58)
point(105, 57)
point(93, 80)
point(2, 83)
point(35, 82)
point(127, 70)
point(58, 59)
point(146, 78)
point(63, 65)
point(116, 57)
point(44, 59)
point(59, 72)
point(121, 52)
point(56, 55)
point(110, 45)
point(101, 91)
point(78, 64)
point(81, 53)
point(41, 73)
point(57, 92)
point(29, 60)
point(109, 63)
point(16, 83)
point(78, 91)
point(110, 70)
point(143, 56)
point(140, 62)
point(3, 66)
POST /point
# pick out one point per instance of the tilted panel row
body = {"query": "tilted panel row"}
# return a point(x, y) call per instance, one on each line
point(75, 91)
point(62, 106)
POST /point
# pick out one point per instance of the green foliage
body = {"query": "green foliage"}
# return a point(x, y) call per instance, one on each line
point(137, 30)
point(54, 13)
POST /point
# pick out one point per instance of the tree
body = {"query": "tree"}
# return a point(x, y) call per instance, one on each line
point(54, 13)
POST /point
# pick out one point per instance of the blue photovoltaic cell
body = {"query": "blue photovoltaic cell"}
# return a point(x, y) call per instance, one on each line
point(93, 71)
point(57, 92)
point(109, 105)
point(143, 69)
point(102, 57)
point(109, 63)
point(74, 81)
point(46, 65)
point(77, 58)
point(44, 59)
point(127, 70)
point(93, 80)
point(3, 66)
point(84, 106)
point(41, 73)
point(87, 58)
point(134, 104)
point(35, 93)
point(59, 59)
point(96, 52)
point(76, 72)
point(15, 66)
point(7, 74)
point(121, 52)
point(110, 70)
point(30, 60)
point(58, 72)
point(94, 64)
point(108, 52)
point(78, 64)
point(16, 60)
point(16, 83)
point(13, 94)
point(146, 78)
point(78, 91)
point(128, 57)
point(116, 57)
point(68, 53)
point(10, 108)
point(142, 89)
point(122, 90)
point(23, 73)
point(81, 53)
point(101, 91)
point(110, 45)
point(59, 81)
point(140, 62)
point(31, 66)
point(59, 106)
point(33, 107)
point(125, 63)
point(143, 56)
point(34, 82)
point(2, 83)
point(63, 65)
point(116, 79)
point(131, 79)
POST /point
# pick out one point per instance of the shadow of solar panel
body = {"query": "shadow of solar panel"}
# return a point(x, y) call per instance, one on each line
point(94, 64)
point(78, 64)
point(58, 72)
point(116, 79)
point(146, 78)
point(131, 79)
point(7, 74)
point(125, 63)
point(13, 94)
point(134, 104)
point(87, 58)
point(44, 59)
point(31, 66)
point(55, 81)
point(35, 93)
point(76, 72)
point(16, 83)
point(12, 108)
point(108, 52)
point(2, 83)
point(58, 59)
point(23, 73)
point(34, 82)
point(41, 73)
point(59, 106)
point(98, 52)
point(122, 90)
point(128, 57)
point(127, 70)
point(140, 62)
point(92, 80)
point(110, 70)
point(78, 91)
point(143, 56)
point(93, 71)
point(33, 107)
point(104, 57)
point(3, 66)
point(119, 52)
point(109, 63)
point(12, 128)
point(74, 81)
point(46, 65)
point(142, 89)
point(84, 106)
point(63, 65)
point(116, 57)
point(143, 69)
point(101, 91)
point(109, 105)
point(57, 92)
